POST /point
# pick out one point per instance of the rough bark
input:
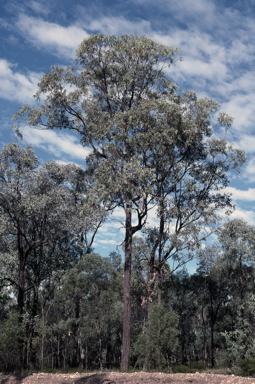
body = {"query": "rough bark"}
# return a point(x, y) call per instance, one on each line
point(125, 360)
point(160, 263)
point(212, 345)
point(21, 294)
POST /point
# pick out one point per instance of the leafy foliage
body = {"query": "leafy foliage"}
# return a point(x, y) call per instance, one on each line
point(157, 342)
point(11, 335)
point(150, 146)
point(248, 367)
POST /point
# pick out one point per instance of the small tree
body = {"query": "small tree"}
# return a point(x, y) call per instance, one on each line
point(237, 239)
point(94, 287)
point(158, 339)
point(11, 335)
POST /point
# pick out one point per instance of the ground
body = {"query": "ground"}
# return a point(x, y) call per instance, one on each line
point(121, 378)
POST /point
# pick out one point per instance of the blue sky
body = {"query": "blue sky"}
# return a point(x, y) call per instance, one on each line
point(218, 43)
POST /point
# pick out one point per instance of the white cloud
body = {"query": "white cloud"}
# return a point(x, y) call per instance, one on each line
point(38, 7)
point(237, 194)
point(248, 216)
point(246, 143)
point(250, 170)
point(58, 144)
point(111, 233)
point(118, 26)
point(107, 241)
point(111, 226)
point(16, 86)
point(119, 213)
point(184, 9)
point(241, 107)
point(58, 39)
point(61, 162)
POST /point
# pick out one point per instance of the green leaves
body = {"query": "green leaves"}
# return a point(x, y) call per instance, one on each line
point(47, 219)
point(149, 143)
point(158, 338)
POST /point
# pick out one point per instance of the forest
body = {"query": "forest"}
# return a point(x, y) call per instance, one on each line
point(152, 146)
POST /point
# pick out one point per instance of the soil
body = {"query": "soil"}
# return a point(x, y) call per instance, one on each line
point(127, 378)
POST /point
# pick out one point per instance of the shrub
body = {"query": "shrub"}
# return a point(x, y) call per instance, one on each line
point(11, 338)
point(158, 340)
point(223, 359)
point(198, 365)
point(183, 369)
point(248, 367)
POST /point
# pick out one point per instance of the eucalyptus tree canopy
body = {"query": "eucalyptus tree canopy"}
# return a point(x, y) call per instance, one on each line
point(41, 222)
point(188, 197)
point(125, 108)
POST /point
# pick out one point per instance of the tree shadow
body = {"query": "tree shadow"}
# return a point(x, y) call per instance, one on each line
point(96, 378)
point(12, 379)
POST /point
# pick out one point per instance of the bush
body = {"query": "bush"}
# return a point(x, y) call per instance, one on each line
point(158, 339)
point(183, 369)
point(11, 339)
point(198, 365)
point(248, 367)
point(222, 359)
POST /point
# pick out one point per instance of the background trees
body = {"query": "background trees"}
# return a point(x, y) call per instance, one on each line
point(237, 239)
point(42, 221)
point(41, 218)
point(208, 316)
point(149, 144)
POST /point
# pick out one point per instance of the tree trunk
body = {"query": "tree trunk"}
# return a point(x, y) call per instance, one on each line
point(86, 356)
point(204, 334)
point(160, 284)
point(52, 352)
point(160, 264)
point(76, 358)
point(213, 320)
point(21, 293)
point(125, 360)
point(100, 353)
point(151, 283)
point(212, 345)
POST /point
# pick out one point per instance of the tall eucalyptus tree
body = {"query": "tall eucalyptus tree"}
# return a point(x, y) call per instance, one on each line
point(125, 108)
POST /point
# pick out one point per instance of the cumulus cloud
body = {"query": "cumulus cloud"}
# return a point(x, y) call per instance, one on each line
point(110, 226)
point(118, 26)
point(237, 194)
point(16, 86)
point(246, 143)
point(62, 162)
point(56, 143)
point(60, 40)
point(241, 107)
point(250, 170)
point(107, 241)
point(246, 215)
